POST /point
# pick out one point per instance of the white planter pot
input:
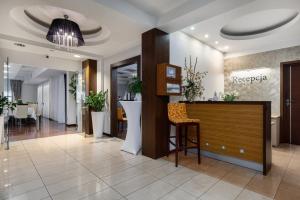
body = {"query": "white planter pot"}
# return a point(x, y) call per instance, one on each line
point(98, 123)
point(138, 97)
point(1, 129)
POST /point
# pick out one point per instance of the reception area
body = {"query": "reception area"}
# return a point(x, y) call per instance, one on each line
point(163, 100)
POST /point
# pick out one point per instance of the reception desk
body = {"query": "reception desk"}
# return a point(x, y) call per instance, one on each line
point(236, 132)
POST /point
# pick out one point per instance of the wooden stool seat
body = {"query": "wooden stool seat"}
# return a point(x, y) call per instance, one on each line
point(178, 117)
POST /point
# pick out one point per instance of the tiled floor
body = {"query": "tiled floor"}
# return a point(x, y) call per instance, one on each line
point(28, 130)
point(72, 167)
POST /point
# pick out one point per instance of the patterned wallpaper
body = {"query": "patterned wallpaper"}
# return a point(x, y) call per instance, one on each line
point(256, 77)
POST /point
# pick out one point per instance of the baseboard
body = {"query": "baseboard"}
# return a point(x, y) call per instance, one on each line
point(108, 135)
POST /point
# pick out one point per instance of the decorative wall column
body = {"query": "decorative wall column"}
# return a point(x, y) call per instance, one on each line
point(155, 50)
point(89, 83)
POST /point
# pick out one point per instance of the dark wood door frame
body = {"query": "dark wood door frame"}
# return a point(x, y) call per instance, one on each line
point(114, 89)
point(284, 132)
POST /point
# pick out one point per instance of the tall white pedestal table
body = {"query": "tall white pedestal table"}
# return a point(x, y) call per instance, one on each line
point(133, 141)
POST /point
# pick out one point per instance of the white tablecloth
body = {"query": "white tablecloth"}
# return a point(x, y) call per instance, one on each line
point(133, 141)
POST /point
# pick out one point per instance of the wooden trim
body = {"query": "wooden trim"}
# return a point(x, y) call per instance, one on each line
point(114, 89)
point(255, 124)
point(267, 146)
point(90, 80)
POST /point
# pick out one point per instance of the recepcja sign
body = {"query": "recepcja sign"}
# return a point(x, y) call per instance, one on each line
point(250, 76)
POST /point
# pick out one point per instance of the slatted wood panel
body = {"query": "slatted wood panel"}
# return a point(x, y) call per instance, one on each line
point(231, 125)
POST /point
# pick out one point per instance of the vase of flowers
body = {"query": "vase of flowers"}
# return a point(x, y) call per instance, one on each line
point(193, 81)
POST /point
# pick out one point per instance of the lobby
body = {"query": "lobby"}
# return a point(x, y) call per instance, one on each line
point(138, 82)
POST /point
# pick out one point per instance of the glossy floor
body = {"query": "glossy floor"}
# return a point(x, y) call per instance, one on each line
point(72, 167)
point(29, 130)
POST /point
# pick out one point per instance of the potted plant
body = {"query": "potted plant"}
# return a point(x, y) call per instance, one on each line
point(193, 82)
point(230, 96)
point(97, 101)
point(73, 85)
point(4, 104)
point(135, 87)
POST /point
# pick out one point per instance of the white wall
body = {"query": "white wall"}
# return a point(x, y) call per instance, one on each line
point(209, 59)
point(57, 98)
point(106, 75)
point(29, 93)
point(71, 103)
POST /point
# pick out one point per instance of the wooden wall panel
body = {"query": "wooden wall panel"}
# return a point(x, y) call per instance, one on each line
point(155, 50)
point(233, 126)
point(89, 68)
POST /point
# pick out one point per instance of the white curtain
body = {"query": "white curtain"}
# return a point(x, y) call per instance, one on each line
point(57, 98)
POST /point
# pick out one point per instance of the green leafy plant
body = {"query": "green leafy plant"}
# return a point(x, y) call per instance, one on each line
point(192, 86)
point(135, 85)
point(73, 85)
point(4, 103)
point(96, 100)
point(230, 97)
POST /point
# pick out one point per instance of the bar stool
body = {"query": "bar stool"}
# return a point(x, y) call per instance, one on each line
point(178, 117)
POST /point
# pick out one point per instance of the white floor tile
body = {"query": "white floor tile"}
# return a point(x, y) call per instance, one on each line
point(153, 191)
point(199, 184)
point(222, 191)
point(132, 185)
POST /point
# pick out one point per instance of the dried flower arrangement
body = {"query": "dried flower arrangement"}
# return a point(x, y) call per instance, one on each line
point(193, 86)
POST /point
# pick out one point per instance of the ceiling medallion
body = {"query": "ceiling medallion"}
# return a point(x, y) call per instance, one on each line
point(65, 33)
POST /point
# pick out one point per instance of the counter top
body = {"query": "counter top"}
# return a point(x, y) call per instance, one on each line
point(228, 102)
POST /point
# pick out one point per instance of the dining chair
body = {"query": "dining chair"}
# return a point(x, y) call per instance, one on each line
point(121, 119)
point(21, 113)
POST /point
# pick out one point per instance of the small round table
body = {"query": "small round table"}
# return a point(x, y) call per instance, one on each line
point(133, 141)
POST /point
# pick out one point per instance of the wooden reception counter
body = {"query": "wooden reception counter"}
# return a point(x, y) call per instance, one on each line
point(237, 132)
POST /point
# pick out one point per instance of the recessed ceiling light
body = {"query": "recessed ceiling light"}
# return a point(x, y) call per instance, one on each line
point(206, 36)
point(7, 185)
point(216, 42)
point(5, 159)
point(77, 56)
point(192, 28)
point(19, 44)
point(5, 171)
point(226, 47)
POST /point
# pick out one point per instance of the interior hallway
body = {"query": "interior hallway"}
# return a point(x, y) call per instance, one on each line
point(72, 167)
point(48, 128)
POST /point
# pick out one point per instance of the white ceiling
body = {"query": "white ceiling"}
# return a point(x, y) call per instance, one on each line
point(125, 20)
point(126, 73)
point(157, 8)
point(251, 18)
point(31, 75)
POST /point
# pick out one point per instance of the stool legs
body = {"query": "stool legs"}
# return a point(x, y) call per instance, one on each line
point(185, 139)
point(177, 144)
point(198, 142)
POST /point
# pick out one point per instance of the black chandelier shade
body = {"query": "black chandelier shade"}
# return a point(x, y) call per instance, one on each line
point(65, 32)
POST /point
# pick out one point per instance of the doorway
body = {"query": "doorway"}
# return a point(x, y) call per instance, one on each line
point(121, 74)
point(290, 103)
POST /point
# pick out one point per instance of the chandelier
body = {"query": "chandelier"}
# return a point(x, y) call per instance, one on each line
point(65, 33)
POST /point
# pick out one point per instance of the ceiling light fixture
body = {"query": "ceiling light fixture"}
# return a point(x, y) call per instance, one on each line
point(216, 42)
point(77, 56)
point(192, 28)
point(206, 36)
point(65, 32)
point(19, 44)
point(226, 47)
